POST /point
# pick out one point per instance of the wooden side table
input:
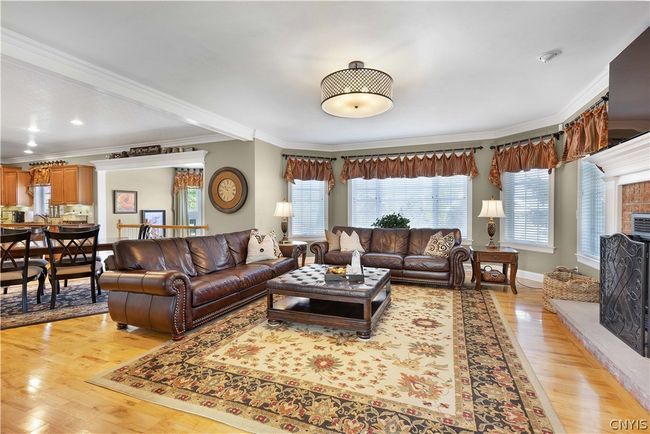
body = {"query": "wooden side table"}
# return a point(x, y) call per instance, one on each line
point(502, 255)
point(301, 246)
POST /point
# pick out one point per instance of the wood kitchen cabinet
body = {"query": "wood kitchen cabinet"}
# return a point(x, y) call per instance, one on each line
point(71, 185)
point(14, 187)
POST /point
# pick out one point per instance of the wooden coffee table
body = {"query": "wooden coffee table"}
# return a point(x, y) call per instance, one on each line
point(311, 300)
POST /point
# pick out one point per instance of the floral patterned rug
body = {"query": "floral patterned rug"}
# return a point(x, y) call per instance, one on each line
point(440, 361)
point(72, 302)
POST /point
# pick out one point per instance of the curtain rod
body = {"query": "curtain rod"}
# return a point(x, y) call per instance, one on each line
point(556, 135)
point(603, 99)
point(391, 154)
point(308, 157)
point(48, 163)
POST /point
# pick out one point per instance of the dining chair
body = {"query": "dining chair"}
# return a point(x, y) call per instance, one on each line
point(77, 259)
point(80, 228)
point(17, 270)
point(35, 262)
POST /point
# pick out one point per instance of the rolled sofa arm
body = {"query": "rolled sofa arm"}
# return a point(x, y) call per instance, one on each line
point(158, 300)
point(319, 249)
point(457, 256)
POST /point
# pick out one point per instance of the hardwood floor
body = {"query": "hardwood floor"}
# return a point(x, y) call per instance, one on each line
point(44, 368)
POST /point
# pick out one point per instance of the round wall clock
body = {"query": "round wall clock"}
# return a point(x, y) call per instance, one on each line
point(228, 189)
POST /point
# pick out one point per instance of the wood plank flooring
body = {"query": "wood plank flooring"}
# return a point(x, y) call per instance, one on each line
point(44, 368)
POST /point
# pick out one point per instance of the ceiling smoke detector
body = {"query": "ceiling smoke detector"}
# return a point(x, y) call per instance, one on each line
point(548, 56)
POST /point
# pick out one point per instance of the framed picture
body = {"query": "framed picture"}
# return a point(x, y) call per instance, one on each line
point(125, 202)
point(154, 217)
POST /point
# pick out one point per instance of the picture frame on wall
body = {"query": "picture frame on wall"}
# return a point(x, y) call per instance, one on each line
point(125, 202)
point(154, 217)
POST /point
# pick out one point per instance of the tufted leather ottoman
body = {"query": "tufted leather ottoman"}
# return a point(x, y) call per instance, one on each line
point(311, 300)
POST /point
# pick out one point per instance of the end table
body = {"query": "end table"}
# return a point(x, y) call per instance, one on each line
point(288, 248)
point(506, 256)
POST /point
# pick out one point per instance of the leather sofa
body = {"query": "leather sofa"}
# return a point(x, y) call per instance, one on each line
point(402, 251)
point(175, 284)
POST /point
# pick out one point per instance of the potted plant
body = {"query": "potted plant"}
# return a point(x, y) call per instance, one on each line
point(393, 220)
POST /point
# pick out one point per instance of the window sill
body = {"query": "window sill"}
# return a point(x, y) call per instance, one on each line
point(529, 247)
point(589, 261)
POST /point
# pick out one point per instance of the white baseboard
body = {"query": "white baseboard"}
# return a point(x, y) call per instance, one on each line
point(530, 275)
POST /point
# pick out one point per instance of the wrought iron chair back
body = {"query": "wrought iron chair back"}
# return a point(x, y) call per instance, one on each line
point(10, 239)
point(144, 232)
point(77, 248)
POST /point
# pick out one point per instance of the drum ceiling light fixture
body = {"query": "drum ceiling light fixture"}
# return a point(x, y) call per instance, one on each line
point(356, 92)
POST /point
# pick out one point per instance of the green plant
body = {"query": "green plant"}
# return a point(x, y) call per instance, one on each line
point(393, 220)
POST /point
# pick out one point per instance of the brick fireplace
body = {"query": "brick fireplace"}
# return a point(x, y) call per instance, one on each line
point(635, 199)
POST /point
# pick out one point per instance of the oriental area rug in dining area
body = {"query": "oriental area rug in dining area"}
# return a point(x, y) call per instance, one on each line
point(439, 361)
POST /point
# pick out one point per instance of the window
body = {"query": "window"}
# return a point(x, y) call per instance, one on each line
point(437, 202)
point(591, 213)
point(528, 203)
point(309, 203)
point(42, 194)
point(194, 207)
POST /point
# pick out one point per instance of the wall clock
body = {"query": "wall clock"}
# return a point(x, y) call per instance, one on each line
point(228, 189)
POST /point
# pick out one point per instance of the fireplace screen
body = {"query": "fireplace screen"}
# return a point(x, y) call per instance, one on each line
point(624, 289)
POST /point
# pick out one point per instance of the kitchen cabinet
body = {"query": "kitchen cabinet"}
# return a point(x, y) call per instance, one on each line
point(71, 185)
point(14, 187)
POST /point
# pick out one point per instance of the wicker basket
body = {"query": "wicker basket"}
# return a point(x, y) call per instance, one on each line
point(565, 284)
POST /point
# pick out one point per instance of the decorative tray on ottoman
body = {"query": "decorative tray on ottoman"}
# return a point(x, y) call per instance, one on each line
point(339, 274)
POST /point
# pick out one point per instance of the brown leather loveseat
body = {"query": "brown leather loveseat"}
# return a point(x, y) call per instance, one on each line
point(175, 284)
point(402, 251)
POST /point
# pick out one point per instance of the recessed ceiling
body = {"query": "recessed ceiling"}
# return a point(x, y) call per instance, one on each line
point(458, 67)
point(36, 100)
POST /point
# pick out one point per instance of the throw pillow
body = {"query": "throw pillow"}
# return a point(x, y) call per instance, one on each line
point(439, 245)
point(350, 243)
point(333, 240)
point(260, 236)
point(260, 250)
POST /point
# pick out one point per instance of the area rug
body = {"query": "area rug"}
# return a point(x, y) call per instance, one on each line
point(72, 302)
point(440, 361)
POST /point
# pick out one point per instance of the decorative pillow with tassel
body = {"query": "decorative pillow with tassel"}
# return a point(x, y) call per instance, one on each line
point(440, 245)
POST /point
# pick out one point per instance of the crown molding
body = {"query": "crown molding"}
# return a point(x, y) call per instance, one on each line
point(187, 141)
point(29, 51)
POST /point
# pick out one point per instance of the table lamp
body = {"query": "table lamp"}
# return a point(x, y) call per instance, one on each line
point(283, 209)
point(492, 208)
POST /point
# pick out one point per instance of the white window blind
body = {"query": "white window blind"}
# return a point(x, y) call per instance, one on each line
point(438, 202)
point(592, 209)
point(309, 203)
point(527, 200)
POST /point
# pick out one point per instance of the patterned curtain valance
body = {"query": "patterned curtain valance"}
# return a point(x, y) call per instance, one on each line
point(310, 170)
point(39, 175)
point(540, 155)
point(188, 178)
point(40, 172)
point(588, 134)
point(382, 167)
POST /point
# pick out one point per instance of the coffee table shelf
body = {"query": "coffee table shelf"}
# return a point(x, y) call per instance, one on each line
point(309, 299)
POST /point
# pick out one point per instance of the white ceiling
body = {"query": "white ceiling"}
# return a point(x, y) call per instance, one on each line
point(32, 97)
point(459, 67)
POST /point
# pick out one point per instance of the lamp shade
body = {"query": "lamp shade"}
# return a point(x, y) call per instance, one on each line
point(283, 209)
point(492, 208)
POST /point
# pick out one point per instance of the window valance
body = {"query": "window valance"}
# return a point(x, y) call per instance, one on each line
point(587, 134)
point(310, 170)
point(382, 167)
point(540, 155)
point(188, 178)
point(40, 172)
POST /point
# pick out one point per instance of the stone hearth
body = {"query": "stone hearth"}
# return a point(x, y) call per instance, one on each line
point(630, 368)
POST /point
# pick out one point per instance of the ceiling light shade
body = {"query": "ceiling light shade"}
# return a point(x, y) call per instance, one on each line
point(76, 122)
point(356, 92)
